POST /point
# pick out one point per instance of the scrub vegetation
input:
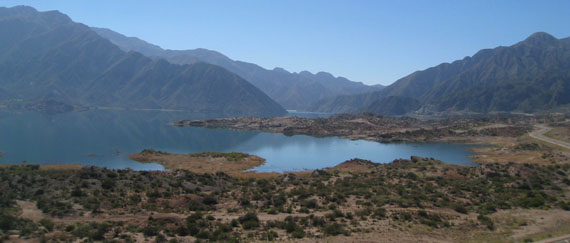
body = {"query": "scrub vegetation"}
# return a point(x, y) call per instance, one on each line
point(357, 197)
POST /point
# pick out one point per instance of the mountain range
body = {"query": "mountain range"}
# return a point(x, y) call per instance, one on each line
point(529, 76)
point(47, 60)
point(291, 90)
point(45, 56)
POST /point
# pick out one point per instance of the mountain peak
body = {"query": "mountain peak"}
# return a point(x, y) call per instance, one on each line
point(325, 75)
point(18, 11)
point(540, 38)
point(306, 73)
point(52, 16)
point(278, 69)
point(23, 9)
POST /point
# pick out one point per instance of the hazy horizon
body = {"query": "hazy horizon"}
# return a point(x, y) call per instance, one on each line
point(368, 41)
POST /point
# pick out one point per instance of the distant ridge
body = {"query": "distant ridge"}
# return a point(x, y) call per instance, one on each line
point(292, 90)
point(46, 56)
point(529, 76)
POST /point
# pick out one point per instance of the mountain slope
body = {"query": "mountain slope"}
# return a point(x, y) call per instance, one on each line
point(393, 105)
point(531, 75)
point(345, 103)
point(292, 90)
point(45, 55)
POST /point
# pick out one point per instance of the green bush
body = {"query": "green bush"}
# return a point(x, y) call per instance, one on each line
point(69, 228)
point(7, 222)
point(233, 156)
point(76, 192)
point(248, 225)
point(486, 221)
point(269, 235)
point(249, 221)
point(291, 226)
point(309, 203)
point(150, 230)
point(532, 202)
point(334, 229)
point(195, 205)
point(363, 212)
point(108, 184)
point(460, 209)
point(193, 229)
point(380, 213)
point(203, 234)
point(318, 221)
point(210, 200)
point(81, 230)
point(298, 233)
point(48, 224)
point(54, 208)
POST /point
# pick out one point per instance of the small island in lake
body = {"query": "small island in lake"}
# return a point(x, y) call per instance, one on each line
point(205, 162)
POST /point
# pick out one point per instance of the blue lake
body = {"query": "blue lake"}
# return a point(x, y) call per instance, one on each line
point(105, 138)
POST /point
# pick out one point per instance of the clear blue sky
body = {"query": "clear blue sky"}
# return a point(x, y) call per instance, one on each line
point(370, 41)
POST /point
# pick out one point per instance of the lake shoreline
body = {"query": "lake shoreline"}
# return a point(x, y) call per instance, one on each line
point(372, 127)
point(502, 138)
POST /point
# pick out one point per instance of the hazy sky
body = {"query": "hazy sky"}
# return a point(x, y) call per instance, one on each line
point(370, 41)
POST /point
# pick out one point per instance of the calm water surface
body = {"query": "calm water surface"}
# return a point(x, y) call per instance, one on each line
point(106, 138)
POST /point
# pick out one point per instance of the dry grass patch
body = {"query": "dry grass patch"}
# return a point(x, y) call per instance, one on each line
point(229, 163)
point(559, 133)
point(521, 150)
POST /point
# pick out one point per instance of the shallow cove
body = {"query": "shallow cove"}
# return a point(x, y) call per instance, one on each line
point(105, 138)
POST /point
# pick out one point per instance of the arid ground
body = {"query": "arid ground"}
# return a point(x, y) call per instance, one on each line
point(520, 191)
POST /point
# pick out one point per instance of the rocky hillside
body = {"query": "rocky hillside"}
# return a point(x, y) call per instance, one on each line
point(47, 56)
point(529, 76)
point(292, 90)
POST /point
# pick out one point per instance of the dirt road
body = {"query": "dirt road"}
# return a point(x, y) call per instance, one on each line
point(560, 239)
point(539, 134)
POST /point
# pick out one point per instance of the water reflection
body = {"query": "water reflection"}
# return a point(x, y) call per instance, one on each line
point(105, 138)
